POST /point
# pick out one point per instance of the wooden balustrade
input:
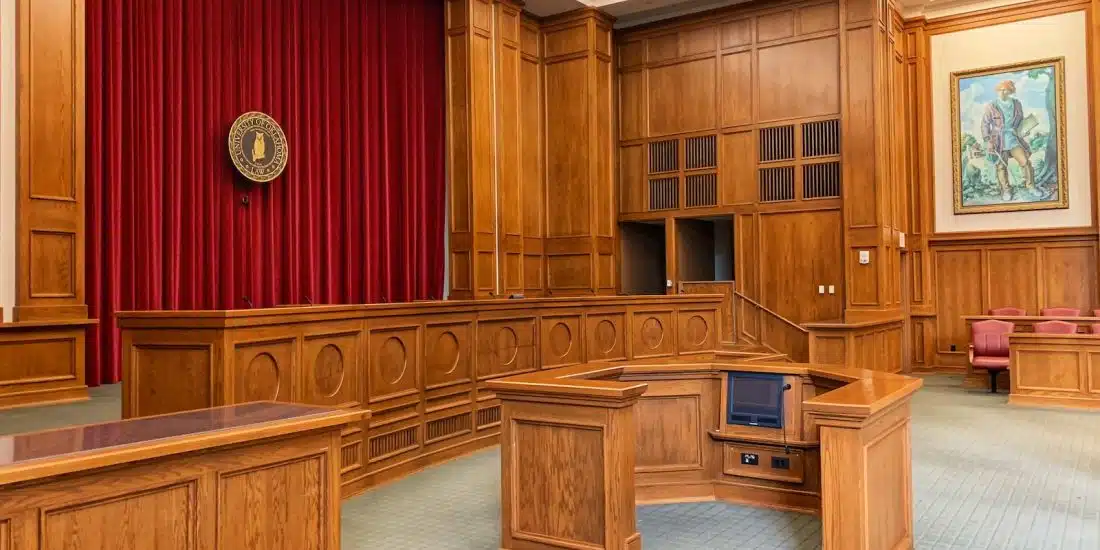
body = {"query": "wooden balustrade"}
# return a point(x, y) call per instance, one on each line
point(420, 368)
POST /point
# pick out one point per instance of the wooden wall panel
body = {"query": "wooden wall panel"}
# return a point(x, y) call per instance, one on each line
point(632, 105)
point(972, 278)
point(50, 142)
point(567, 168)
point(507, 91)
point(682, 97)
point(736, 89)
point(800, 79)
point(804, 252)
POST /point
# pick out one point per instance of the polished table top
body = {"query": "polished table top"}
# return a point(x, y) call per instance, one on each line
point(81, 447)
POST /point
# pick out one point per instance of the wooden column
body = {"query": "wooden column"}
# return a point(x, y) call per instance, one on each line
point(873, 207)
point(567, 467)
point(866, 473)
point(50, 149)
point(580, 207)
point(471, 157)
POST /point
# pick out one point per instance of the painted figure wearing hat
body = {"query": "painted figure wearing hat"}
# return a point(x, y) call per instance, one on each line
point(1000, 130)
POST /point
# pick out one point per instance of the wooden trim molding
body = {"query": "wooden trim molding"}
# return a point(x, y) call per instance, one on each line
point(50, 203)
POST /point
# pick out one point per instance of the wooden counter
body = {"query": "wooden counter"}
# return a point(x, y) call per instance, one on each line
point(258, 476)
point(421, 368)
point(618, 435)
point(1054, 370)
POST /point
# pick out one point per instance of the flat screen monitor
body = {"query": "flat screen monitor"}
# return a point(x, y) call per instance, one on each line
point(755, 399)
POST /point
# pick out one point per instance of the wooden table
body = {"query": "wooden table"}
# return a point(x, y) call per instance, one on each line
point(1054, 370)
point(257, 476)
point(582, 445)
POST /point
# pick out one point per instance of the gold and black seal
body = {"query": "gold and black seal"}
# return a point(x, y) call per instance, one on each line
point(258, 147)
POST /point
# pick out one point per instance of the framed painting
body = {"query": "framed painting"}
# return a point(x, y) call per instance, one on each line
point(1008, 137)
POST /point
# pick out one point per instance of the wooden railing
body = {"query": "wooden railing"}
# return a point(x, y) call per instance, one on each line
point(757, 324)
point(726, 289)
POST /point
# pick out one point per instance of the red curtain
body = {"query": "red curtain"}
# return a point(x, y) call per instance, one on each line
point(358, 215)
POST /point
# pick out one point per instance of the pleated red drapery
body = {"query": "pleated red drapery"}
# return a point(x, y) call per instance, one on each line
point(357, 216)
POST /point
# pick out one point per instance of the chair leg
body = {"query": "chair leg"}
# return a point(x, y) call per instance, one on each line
point(993, 381)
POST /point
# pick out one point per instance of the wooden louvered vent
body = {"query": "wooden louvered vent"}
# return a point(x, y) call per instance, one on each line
point(701, 190)
point(664, 156)
point(821, 181)
point(777, 143)
point(821, 139)
point(664, 193)
point(700, 152)
point(777, 184)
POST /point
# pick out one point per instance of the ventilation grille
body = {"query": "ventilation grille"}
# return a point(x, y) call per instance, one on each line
point(777, 184)
point(777, 143)
point(488, 417)
point(448, 427)
point(700, 152)
point(701, 190)
point(394, 443)
point(821, 139)
point(820, 181)
point(351, 456)
point(664, 193)
point(664, 156)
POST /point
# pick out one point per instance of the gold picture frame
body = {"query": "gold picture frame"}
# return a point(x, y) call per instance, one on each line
point(983, 178)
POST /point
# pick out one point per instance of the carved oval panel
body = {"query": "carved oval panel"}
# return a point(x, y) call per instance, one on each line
point(697, 330)
point(606, 336)
point(653, 333)
point(393, 360)
point(445, 353)
point(261, 379)
point(328, 370)
point(561, 340)
point(507, 345)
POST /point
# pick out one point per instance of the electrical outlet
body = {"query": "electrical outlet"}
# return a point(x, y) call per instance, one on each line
point(668, 283)
point(952, 347)
point(750, 459)
point(821, 289)
point(781, 463)
point(832, 289)
point(864, 257)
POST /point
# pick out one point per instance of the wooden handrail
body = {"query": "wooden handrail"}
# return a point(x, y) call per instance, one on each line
point(770, 312)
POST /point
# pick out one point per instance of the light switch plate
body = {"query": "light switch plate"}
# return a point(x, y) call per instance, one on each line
point(901, 240)
point(864, 257)
point(668, 283)
point(821, 289)
point(832, 289)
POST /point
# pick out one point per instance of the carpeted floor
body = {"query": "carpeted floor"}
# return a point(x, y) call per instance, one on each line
point(986, 476)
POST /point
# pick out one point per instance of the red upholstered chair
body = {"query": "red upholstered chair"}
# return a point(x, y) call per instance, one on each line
point(989, 348)
point(1007, 311)
point(1055, 327)
point(1060, 312)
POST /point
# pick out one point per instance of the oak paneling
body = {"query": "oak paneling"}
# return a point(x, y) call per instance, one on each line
point(737, 178)
point(42, 364)
point(653, 334)
point(632, 105)
point(970, 279)
point(800, 79)
point(736, 89)
point(286, 511)
point(775, 26)
point(571, 456)
point(50, 201)
point(670, 427)
point(681, 97)
point(803, 252)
